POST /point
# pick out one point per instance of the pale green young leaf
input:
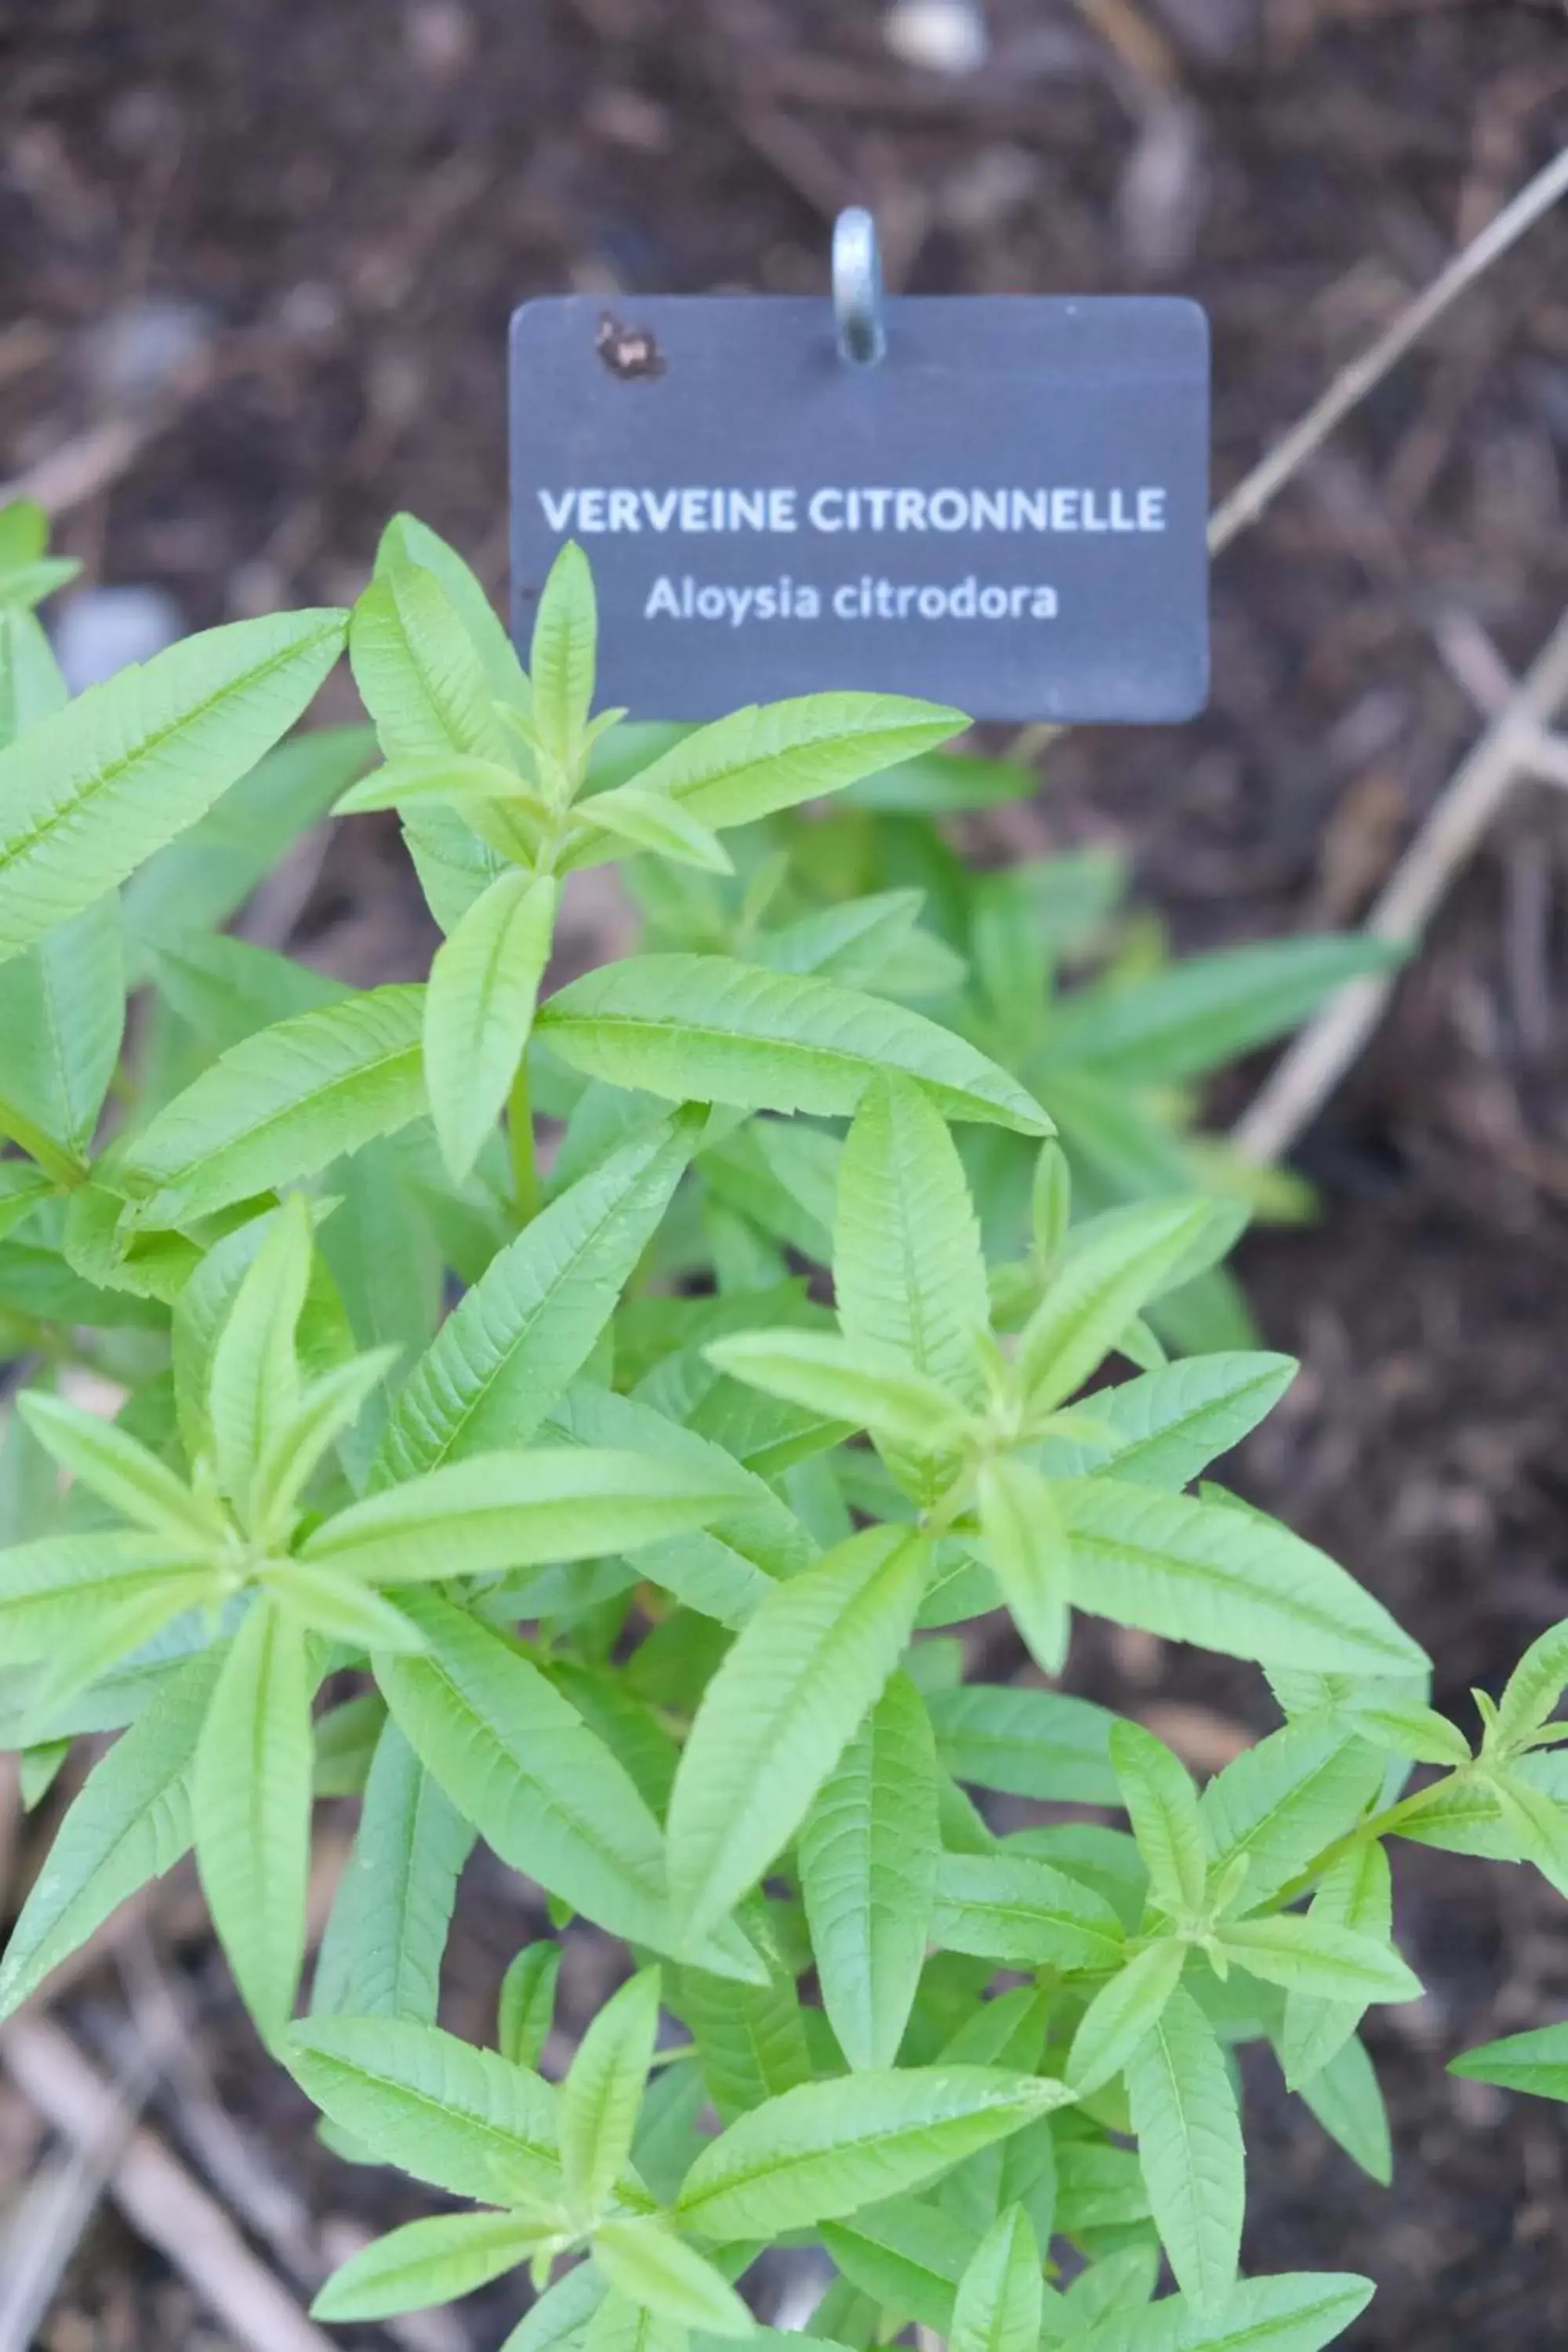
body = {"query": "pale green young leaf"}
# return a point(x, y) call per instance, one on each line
point(478, 1009)
point(1355, 1892)
point(1285, 1802)
point(406, 540)
point(1295, 2312)
point(340, 1607)
point(202, 1308)
point(526, 2008)
point(62, 1013)
point(542, 1790)
point(1026, 1743)
point(705, 1028)
point(1344, 2094)
point(90, 791)
point(1002, 2293)
point(1308, 1955)
point(779, 1712)
point(1536, 2063)
point(459, 2117)
point(130, 1822)
point(520, 1510)
point(1163, 1806)
point(516, 1340)
point(1009, 1908)
point(1535, 1821)
point(121, 1472)
point(417, 667)
point(563, 659)
point(649, 821)
point(1188, 2130)
point(225, 988)
point(645, 2261)
point(282, 1105)
point(859, 1382)
point(907, 1270)
point(1409, 1728)
point(253, 1385)
point(381, 1953)
point(121, 1623)
point(603, 2093)
point(251, 1798)
point(1534, 1689)
point(48, 1586)
point(1169, 1424)
point(1122, 2014)
point(850, 941)
point(771, 757)
point(1097, 1290)
point(1226, 1580)
point(326, 1411)
point(428, 2263)
point(827, 2148)
point(453, 776)
point(558, 2322)
point(1027, 1548)
point(867, 1856)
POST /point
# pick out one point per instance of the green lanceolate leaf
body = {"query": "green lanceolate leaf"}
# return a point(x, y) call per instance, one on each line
point(619, 2324)
point(702, 1028)
point(1536, 2063)
point(830, 2147)
point(90, 792)
point(251, 1796)
point(1344, 2097)
point(526, 2008)
point(428, 2263)
point(1102, 1284)
point(1186, 1022)
point(51, 1587)
point(751, 2039)
point(779, 1712)
point(564, 658)
point(1287, 1801)
point(1534, 1688)
point(1027, 1548)
point(906, 2254)
point(282, 1105)
point(1007, 1907)
point(1171, 1425)
point(62, 1013)
point(518, 1339)
point(381, 1954)
point(644, 820)
point(520, 1762)
point(1026, 1743)
point(130, 1822)
point(869, 1387)
point(645, 2261)
point(121, 1473)
point(768, 758)
point(1189, 2146)
point(868, 1852)
point(461, 2119)
point(478, 1009)
point(1230, 1581)
point(253, 1385)
point(1122, 2015)
point(520, 1510)
point(418, 669)
point(603, 2093)
point(1310, 1956)
point(908, 1271)
point(1355, 1892)
point(1002, 2293)
point(1163, 1806)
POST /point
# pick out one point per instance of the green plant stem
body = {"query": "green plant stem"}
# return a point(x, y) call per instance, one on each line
point(62, 1166)
point(519, 1144)
point(1376, 1825)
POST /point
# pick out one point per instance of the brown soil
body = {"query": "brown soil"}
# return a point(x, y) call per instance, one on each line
point(353, 196)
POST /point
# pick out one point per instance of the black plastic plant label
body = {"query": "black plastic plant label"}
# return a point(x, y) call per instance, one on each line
point(1007, 511)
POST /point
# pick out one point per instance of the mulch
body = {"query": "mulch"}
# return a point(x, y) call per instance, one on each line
point(333, 210)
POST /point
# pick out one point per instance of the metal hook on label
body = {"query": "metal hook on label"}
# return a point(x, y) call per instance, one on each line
point(858, 287)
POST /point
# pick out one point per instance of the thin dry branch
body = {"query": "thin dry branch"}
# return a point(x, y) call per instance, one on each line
point(158, 2197)
point(1512, 745)
point(1251, 496)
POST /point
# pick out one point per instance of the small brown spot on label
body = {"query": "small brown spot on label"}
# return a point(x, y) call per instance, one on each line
point(628, 351)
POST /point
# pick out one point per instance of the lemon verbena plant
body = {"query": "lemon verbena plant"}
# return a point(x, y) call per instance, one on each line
point(360, 1450)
